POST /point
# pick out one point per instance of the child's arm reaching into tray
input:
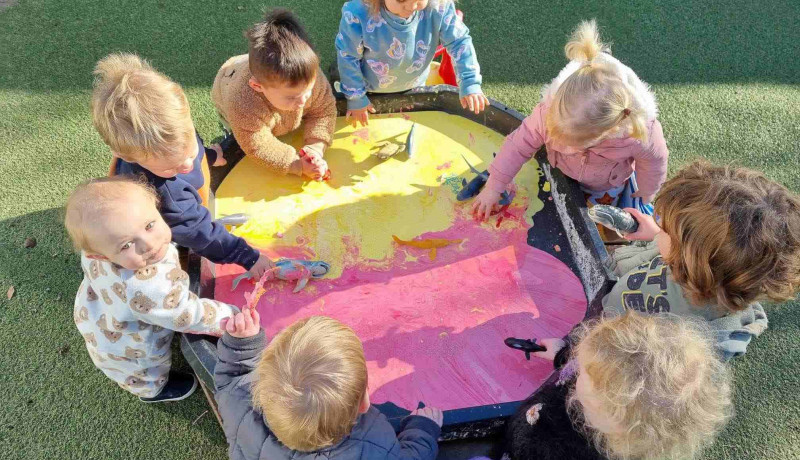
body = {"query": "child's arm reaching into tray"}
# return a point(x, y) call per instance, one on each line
point(517, 149)
point(164, 300)
point(238, 353)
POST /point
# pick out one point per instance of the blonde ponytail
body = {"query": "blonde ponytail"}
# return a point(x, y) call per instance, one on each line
point(594, 102)
point(622, 111)
point(638, 123)
point(585, 44)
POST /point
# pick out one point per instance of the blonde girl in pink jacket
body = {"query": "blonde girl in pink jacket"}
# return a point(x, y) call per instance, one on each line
point(597, 120)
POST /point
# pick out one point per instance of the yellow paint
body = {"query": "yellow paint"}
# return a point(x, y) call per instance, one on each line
point(546, 186)
point(350, 220)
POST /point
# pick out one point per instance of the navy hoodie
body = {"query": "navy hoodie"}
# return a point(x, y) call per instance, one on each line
point(249, 437)
point(190, 221)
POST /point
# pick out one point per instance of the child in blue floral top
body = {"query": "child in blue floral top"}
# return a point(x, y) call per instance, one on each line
point(386, 46)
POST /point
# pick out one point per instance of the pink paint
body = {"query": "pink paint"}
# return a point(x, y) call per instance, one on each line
point(433, 330)
point(444, 166)
point(362, 134)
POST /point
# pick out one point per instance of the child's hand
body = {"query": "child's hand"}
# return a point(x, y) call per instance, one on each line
point(485, 203)
point(263, 264)
point(220, 161)
point(313, 165)
point(432, 413)
point(553, 346)
point(475, 103)
point(360, 115)
point(243, 325)
point(648, 228)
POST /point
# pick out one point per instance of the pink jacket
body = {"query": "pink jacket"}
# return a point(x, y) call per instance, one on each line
point(600, 167)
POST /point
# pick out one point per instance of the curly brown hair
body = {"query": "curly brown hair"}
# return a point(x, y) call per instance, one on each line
point(735, 235)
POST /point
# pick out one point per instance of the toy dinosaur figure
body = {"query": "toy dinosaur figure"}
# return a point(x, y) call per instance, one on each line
point(430, 243)
point(388, 149)
point(527, 346)
point(287, 270)
point(233, 219)
point(614, 218)
point(473, 187)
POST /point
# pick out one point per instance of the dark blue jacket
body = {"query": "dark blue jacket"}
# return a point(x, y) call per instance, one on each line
point(249, 437)
point(190, 221)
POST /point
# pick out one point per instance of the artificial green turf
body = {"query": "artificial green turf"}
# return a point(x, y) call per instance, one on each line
point(726, 75)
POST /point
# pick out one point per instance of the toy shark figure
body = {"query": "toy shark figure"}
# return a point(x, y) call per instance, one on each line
point(614, 218)
point(527, 346)
point(289, 270)
point(473, 187)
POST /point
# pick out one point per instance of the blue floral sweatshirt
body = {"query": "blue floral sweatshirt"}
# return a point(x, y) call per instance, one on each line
point(385, 53)
point(190, 221)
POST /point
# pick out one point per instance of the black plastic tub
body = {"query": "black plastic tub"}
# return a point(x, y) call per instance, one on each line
point(563, 223)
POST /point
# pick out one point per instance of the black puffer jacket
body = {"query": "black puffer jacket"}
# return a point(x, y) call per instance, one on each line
point(541, 429)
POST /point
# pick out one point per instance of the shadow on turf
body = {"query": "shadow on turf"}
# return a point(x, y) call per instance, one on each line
point(665, 42)
point(46, 277)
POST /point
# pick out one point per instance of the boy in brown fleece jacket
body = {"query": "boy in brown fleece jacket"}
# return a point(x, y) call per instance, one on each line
point(271, 90)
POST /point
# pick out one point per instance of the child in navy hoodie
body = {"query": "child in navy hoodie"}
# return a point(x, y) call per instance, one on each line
point(144, 118)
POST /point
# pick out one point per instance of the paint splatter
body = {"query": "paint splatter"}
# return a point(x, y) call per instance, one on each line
point(546, 186)
point(445, 165)
point(349, 225)
point(504, 213)
point(362, 134)
point(442, 335)
point(452, 181)
point(557, 248)
point(471, 140)
point(477, 310)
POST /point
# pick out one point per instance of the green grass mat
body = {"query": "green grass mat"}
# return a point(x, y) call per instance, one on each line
point(726, 76)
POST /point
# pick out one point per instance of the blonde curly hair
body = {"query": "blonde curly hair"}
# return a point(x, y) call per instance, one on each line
point(653, 387)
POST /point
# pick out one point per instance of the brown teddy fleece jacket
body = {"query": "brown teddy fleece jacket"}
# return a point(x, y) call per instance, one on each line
point(256, 123)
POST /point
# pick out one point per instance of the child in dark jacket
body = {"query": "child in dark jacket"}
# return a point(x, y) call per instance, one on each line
point(144, 118)
point(305, 397)
point(633, 386)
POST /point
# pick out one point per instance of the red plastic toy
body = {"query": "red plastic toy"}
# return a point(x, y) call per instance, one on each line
point(446, 70)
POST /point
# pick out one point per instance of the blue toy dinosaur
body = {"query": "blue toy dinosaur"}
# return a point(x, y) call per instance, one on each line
point(473, 187)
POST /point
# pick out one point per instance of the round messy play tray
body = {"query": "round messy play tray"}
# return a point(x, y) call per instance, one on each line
point(431, 293)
